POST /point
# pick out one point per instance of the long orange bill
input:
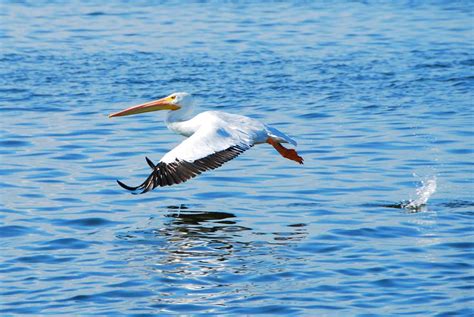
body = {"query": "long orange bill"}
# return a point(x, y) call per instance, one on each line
point(160, 104)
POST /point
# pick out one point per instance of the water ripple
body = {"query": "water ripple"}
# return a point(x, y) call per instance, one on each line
point(377, 94)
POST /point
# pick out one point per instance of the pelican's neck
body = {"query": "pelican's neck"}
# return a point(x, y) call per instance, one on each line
point(179, 115)
point(178, 121)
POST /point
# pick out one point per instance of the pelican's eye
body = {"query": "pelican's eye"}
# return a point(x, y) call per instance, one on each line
point(173, 97)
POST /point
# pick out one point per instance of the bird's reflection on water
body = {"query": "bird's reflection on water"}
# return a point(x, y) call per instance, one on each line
point(201, 224)
point(203, 236)
point(196, 242)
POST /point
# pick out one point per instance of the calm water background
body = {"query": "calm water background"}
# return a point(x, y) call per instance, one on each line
point(379, 96)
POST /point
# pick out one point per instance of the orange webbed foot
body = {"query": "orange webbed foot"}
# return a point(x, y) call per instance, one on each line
point(290, 154)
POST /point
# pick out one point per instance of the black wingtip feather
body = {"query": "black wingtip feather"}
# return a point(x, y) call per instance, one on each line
point(126, 186)
point(150, 163)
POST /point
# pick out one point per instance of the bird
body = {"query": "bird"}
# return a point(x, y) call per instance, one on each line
point(213, 138)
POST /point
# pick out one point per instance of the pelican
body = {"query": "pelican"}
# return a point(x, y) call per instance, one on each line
point(213, 138)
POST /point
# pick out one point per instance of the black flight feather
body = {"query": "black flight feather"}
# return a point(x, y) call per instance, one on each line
point(179, 171)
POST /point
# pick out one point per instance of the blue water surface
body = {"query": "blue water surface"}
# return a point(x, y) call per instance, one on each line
point(379, 96)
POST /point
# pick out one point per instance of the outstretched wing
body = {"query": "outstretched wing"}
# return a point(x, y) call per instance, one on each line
point(207, 149)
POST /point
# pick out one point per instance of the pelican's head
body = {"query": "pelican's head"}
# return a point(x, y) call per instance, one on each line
point(173, 102)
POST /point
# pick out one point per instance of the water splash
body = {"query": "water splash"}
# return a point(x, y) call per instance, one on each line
point(423, 193)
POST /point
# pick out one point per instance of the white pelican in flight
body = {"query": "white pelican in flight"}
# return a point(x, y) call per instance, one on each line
point(213, 138)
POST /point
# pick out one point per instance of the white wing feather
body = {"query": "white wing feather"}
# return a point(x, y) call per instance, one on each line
point(208, 139)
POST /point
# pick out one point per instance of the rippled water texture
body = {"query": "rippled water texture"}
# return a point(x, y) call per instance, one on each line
point(374, 93)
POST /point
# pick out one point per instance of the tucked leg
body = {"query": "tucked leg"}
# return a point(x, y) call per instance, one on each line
point(286, 153)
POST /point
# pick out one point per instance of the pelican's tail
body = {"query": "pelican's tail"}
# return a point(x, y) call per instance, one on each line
point(279, 136)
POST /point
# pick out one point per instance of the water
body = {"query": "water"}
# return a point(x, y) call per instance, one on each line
point(373, 92)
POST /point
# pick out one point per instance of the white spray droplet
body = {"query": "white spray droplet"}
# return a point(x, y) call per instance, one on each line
point(423, 193)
